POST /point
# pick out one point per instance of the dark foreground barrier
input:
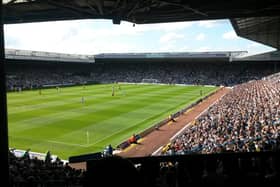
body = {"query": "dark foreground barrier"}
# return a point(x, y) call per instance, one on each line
point(83, 158)
point(251, 169)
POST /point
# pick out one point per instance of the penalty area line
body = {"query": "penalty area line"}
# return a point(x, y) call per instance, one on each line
point(63, 143)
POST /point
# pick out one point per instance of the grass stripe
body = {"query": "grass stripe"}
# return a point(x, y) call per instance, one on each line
point(59, 121)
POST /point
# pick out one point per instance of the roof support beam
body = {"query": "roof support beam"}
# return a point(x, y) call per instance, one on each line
point(99, 6)
point(68, 7)
point(90, 6)
point(133, 9)
point(11, 2)
point(186, 7)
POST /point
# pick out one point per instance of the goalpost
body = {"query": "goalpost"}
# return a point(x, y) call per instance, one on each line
point(150, 81)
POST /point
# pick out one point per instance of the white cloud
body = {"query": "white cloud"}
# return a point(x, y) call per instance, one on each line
point(169, 47)
point(83, 37)
point(231, 35)
point(208, 24)
point(258, 50)
point(170, 37)
point(254, 45)
point(184, 48)
point(250, 48)
point(99, 36)
point(200, 37)
point(172, 26)
point(164, 27)
point(48, 36)
point(203, 49)
point(68, 37)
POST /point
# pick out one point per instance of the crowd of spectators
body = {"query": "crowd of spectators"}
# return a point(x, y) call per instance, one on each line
point(39, 79)
point(27, 171)
point(29, 76)
point(245, 120)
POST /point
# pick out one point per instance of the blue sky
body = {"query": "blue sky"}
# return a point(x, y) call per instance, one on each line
point(101, 36)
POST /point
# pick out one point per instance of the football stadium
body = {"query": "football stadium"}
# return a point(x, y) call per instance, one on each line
point(146, 118)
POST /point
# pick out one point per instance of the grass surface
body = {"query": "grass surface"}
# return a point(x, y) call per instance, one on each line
point(58, 120)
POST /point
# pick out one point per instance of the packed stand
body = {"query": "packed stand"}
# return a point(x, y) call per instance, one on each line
point(245, 120)
point(37, 75)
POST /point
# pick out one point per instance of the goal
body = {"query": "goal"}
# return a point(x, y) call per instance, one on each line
point(153, 81)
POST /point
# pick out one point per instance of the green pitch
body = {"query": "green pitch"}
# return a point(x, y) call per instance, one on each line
point(59, 121)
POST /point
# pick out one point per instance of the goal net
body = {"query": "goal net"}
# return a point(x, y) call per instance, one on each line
point(154, 81)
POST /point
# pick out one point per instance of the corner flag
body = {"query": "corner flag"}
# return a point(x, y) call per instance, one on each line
point(87, 137)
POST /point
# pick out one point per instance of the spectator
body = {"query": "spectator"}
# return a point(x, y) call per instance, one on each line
point(108, 151)
point(133, 139)
point(48, 158)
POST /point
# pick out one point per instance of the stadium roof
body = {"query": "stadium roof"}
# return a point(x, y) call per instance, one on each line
point(264, 57)
point(224, 56)
point(265, 30)
point(136, 11)
point(16, 54)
